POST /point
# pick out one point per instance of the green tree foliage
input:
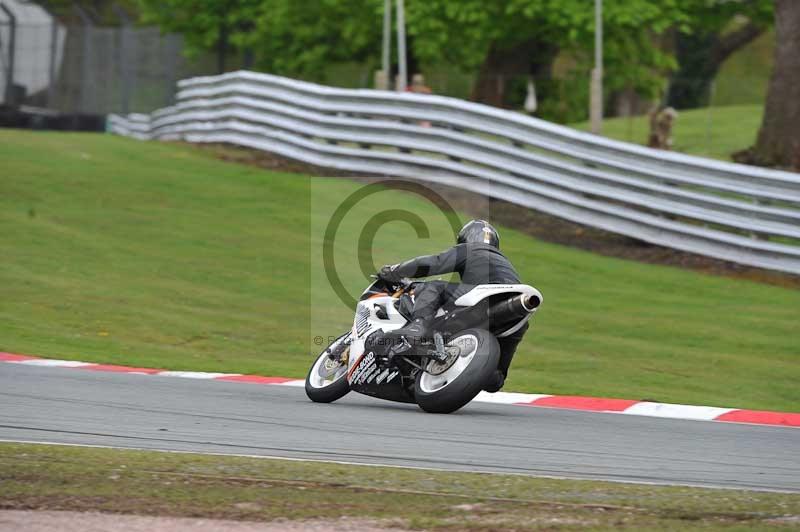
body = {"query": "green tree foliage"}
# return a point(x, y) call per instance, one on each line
point(462, 31)
point(300, 38)
point(288, 37)
point(715, 30)
point(205, 25)
point(503, 41)
point(513, 38)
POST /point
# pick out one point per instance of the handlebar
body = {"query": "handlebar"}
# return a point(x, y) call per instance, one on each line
point(403, 283)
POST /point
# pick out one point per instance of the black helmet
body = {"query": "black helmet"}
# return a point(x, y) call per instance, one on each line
point(479, 231)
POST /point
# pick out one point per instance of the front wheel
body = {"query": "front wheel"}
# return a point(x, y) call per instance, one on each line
point(445, 387)
point(327, 379)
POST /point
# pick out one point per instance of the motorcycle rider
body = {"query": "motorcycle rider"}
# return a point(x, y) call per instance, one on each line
point(478, 260)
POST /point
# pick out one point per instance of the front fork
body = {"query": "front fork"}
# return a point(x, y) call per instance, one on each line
point(438, 354)
point(341, 352)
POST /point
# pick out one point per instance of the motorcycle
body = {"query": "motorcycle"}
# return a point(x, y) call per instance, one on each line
point(440, 374)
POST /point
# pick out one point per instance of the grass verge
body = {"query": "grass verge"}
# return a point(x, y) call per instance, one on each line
point(155, 483)
point(158, 255)
point(715, 132)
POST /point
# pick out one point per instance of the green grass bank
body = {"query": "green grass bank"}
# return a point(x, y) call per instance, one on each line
point(158, 255)
point(714, 132)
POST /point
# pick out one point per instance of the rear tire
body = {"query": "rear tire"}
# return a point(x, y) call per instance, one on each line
point(458, 385)
point(320, 390)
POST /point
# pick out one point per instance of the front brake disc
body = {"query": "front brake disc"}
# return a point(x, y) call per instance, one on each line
point(437, 368)
point(331, 366)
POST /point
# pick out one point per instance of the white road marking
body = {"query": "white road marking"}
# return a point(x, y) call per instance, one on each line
point(676, 411)
point(194, 374)
point(51, 363)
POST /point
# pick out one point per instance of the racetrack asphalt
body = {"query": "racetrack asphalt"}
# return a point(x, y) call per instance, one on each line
point(62, 405)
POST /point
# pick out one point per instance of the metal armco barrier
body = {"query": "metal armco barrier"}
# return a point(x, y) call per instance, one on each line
point(738, 213)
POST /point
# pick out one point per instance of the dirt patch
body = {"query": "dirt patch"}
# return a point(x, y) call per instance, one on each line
point(47, 521)
point(539, 225)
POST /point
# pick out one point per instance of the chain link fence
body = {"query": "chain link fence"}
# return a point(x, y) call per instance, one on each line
point(75, 69)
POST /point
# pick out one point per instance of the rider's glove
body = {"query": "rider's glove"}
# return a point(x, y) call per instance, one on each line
point(389, 273)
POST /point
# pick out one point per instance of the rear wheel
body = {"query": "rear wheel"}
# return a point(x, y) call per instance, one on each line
point(327, 379)
point(445, 387)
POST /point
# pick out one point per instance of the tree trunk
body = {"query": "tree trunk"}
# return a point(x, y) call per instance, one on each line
point(412, 61)
point(490, 87)
point(540, 68)
point(222, 47)
point(778, 141)
point(700, 55)
point(689, 86)
point(502, 65)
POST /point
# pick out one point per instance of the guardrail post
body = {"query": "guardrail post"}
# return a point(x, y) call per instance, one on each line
point(85, 100)
point(386, 65)
point(402, 74)
point(51, 68)
point(10, 96)
point(125, 63)
point(171, 52)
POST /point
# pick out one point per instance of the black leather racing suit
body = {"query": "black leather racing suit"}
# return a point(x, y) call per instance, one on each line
point(476, 263)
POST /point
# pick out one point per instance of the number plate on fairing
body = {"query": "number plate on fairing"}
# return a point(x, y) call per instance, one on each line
point(367, 374)
point(369, 377)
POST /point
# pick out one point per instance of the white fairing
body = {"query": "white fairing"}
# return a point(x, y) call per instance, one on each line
point(367, 321)
point(482, 291)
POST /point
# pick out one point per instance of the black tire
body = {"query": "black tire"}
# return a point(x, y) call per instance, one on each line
point(466, 385)
point(331, 392)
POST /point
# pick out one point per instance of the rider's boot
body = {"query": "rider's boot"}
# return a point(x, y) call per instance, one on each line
point(495, 382)
point(415, 331)
point(508, 346)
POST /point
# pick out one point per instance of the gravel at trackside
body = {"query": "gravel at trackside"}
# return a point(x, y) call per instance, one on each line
point(47, 521)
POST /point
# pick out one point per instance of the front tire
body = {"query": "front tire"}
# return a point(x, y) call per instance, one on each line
point(456, 386)
point(326, 382)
